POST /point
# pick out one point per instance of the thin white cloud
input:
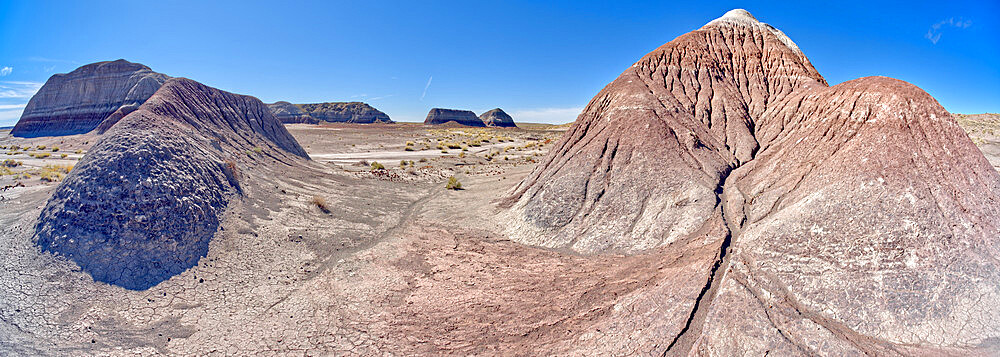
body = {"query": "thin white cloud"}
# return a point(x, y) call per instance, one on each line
point(13, 89)
point(362, 95)
point(547, 115)
point(934, 33)
point(372, 99)
point(6, 70)
point(425, 88)
point(12, 106)
point(9, 117)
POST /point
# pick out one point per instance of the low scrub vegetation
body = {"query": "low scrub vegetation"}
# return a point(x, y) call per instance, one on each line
point(453, 184)
point(320, 203)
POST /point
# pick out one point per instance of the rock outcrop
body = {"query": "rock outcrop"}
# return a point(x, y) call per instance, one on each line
point(80, 101)
point(143, 204)
point(438, 116)
point(289, 113)
point(801, 218)
point(497, 118)
point(345, 112)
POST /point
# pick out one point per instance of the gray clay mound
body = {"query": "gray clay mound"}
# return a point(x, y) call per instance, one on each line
point(144, 203)
point(80, 101)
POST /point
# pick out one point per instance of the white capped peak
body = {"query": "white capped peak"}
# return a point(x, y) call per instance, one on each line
point(743, 17)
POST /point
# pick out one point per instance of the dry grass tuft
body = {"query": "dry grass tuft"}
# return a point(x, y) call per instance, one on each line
point(320, 202)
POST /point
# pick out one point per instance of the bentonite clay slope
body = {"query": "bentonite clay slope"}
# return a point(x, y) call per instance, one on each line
point(288, 113)
point(144, 202)
point(78, 102)
point(497, 118)
point(345, 112)
point(855, 219)
point(438, 116)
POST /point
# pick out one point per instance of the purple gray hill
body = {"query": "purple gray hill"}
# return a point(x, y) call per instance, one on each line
point(143, 204)
point(497, 118)
point(80, 101)
point(438, 116)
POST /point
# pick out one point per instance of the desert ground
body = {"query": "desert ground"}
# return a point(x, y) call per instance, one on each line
point(336, 257)
point(331, 258)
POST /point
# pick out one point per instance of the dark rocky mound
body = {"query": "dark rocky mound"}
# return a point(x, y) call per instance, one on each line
point(143, 204)
point(438, 116)
point(497, 118)
point(78, 102)
point(345, 112)
point(801, 218)
point(289, 113)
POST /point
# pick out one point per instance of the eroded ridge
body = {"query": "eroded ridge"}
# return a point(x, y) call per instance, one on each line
point(143, 204)
point(853, 203)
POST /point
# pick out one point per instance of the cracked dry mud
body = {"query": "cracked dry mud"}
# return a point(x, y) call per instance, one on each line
point(717, 199)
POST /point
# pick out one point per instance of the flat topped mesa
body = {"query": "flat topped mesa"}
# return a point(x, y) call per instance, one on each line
point(91, 97)
point(289, 113)
point(798, 218)
point(345, 112)
point(438, 116)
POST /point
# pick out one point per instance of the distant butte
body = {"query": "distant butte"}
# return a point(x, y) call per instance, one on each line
point(438, 116)
point(497, 118)
point(80, 101)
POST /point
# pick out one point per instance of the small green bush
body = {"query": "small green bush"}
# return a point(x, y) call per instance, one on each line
point(453, 184)
point(377, 166)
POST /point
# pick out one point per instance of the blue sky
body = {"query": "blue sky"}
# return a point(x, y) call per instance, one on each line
point(540, 61)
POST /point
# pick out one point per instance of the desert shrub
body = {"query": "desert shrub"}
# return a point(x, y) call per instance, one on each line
point(55, 148)
point(320, 203)
point(423, 159)
point(409, 143)
point(53, 173)
point(258, 149)
point(63, 156)
point(40, 147)
point(78, 151)
point(461, 154)
point(5, 171)
point(443, 151)
point(411, 162)
point(409, 148)
point(454, 146)
point(453, 184)
point(402, 163)
point(41, 155)
point(10, 163)
point(377, 166)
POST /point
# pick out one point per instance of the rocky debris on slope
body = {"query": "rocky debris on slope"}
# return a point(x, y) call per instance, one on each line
point(80, 101)
point(144, 202)
point(289, 113)
point(497, 118)
point(345, 112)
point(438, 116)
point(819, 220)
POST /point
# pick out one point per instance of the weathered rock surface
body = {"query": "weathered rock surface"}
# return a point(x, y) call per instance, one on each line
point(497, 118)
point(847, 220)
point(439, 116)
point(78, 102)
point(345, 112)
point(289, 113)
point(143, 203)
